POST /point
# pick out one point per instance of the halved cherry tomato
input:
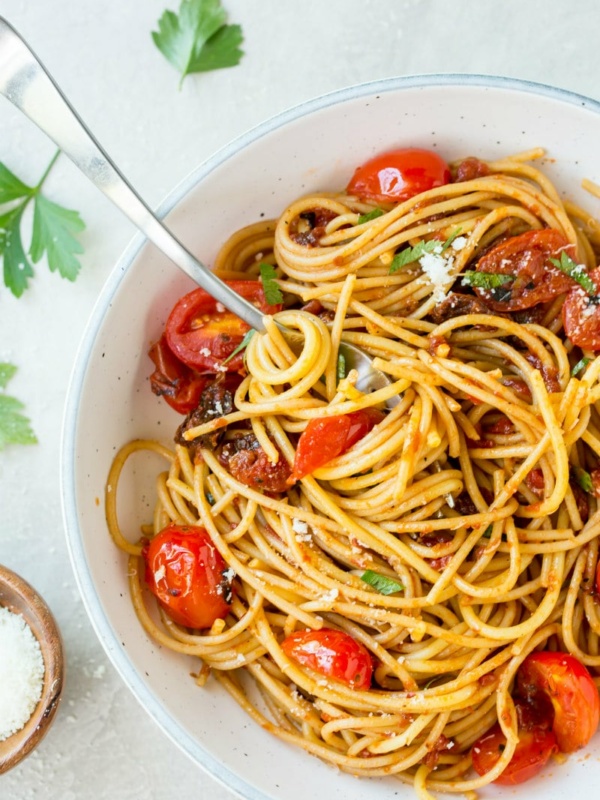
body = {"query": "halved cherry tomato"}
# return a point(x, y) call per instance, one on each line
point(334, 654)
point(180, 386)
point(399, 175)
point(565, 681)
point(188, 575)
point(202, 333)
point(581, 315)
point(324, 439)
point(527, 259)
point(536, 744)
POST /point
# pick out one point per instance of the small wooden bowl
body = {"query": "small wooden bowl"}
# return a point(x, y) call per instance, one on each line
point(21, 598)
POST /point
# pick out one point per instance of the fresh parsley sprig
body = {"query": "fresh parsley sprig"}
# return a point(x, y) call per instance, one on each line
point(15, 428)
point(576, 271)
point(53, 233)
point(268, 277)
point(241, 346)
point(583, 479)
point(197, 39)
point(580, 366)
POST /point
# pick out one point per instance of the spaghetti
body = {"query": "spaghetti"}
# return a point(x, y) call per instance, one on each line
point(471, 499)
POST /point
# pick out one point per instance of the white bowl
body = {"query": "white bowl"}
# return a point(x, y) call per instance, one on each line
point(314, 146)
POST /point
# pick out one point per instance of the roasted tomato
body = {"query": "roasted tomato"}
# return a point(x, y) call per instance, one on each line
point(249, 464)
point(537, 743)
point(570, 688)
point(581, 315)
point(202, 333)
point(188, 575)
point(527, 259)
point(398, 175)
point(324, 439)
point(334, 654)
point(180, 386)
point(216, 401)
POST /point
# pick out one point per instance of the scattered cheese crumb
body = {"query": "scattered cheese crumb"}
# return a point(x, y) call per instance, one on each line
point(330, 596)
point(438, 270)
point(459, 243)
point(220, 308)
point(299, 526)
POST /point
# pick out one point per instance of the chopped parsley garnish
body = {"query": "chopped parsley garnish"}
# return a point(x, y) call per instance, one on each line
point(485, 280)
point(381, 583)
point(268, 276)
point(450, 239)
point(198, 39)
point(576, 271)
point(583, 479)
point(487, 532)
point(580, 366)
point(15, 428)
point(411, 254)
point(53, 233)
point(241, 346)
point(341, 367)
point(376, 212)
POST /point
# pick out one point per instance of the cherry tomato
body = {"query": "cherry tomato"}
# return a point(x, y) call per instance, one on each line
point(581, 315)
point(180, 386)
point(324, 439)
point(249, 464)
point(188, 575)
point(334, 654)
point(535, 747)
point(399, 175)
point(527, 259)
point(569, 686)
point(202, 333)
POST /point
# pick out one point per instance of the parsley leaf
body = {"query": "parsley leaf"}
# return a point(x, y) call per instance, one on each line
point(15, 428)
point(488, 532)
point(341, 367)
point(576, 271)
point(412, 254)
point(241, 346)
point(580, 366)
point(381, 583)
point(583, 479)
point(374, 214)
point(52, 233)
point(485, 280)
point(268, 276)
point(198, 39)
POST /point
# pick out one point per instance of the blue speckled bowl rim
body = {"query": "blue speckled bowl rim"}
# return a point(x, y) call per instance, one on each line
point(99, 621)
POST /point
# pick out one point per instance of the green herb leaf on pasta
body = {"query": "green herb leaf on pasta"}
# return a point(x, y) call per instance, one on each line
point(485, 280)
point(374, 214)
point(411, 254)
point(450, 239)
point(268, 276)
point(576, 271)
point(341, 367)
point(241, 346)
point(15, 428)
point(381, 583)
point(580, 366)
point(198, 38)
point(583, 479)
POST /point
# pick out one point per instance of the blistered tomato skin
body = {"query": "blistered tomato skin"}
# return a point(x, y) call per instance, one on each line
point(188, 576)
point(581, 315)
point(568, 685)
point(332, 653)
point(532, 752)
point(398, 175)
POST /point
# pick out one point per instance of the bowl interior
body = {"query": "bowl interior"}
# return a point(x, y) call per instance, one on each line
point(315, 147)
point(20, 598)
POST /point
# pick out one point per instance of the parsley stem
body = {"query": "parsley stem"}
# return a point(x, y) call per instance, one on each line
point(37, 188)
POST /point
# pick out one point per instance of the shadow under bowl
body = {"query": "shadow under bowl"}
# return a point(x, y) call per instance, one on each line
point(20, 598)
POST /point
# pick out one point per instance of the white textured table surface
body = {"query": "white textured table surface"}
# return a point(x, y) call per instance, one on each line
point(102, 744)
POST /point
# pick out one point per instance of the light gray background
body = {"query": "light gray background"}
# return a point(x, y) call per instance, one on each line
point(102, 744)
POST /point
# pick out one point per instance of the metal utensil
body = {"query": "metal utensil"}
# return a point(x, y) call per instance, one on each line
point(30, 87)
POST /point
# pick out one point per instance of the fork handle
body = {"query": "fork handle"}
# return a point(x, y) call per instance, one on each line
point(30, 87)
